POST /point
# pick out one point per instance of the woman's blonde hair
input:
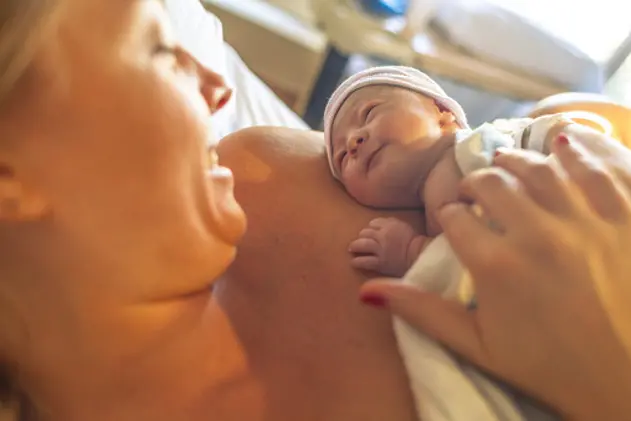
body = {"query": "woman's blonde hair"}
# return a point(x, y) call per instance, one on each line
point(23, 23)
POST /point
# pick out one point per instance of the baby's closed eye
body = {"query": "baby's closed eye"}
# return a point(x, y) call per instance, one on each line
point(369, 112)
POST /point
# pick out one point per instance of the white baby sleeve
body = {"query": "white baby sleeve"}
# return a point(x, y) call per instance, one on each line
point(528, 133)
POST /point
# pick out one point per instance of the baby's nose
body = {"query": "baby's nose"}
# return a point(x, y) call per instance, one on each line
point(354, 142)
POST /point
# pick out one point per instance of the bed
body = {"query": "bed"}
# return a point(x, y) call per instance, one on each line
point(254, 104)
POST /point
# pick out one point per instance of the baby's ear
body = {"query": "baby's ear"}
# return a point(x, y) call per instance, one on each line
point(447, 120)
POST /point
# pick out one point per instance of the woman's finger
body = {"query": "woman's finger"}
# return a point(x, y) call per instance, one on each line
point(364, 246)
point(541, 178)
point(604, 194)
point(501, 195)
point(462, 228)
point(447, 322)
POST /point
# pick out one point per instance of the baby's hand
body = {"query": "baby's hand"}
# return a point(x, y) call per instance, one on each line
point(384, 247)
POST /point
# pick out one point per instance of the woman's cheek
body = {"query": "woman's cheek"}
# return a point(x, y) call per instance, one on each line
point(191, 94)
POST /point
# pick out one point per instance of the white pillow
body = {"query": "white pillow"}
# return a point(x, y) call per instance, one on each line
point(253, 103)
point(495, 32)
point(201, 34)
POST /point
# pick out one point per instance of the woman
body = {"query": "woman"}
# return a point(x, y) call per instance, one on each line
point(117, 226)
point(114, 220)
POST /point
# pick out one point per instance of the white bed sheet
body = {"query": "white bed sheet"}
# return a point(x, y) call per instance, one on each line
point(255, 104)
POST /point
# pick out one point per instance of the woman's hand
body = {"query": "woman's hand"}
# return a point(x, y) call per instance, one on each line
point(553, 285)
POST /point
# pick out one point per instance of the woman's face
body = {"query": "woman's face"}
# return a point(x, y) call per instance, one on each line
point(108, 148)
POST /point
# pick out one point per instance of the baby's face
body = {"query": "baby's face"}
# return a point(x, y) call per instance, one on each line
point(382, 140)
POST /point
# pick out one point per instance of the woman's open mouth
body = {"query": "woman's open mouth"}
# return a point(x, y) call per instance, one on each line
point(212, 158)
point(211, 163)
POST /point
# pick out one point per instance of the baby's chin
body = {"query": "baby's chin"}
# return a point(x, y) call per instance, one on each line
point(387, 202)
point(386, 188)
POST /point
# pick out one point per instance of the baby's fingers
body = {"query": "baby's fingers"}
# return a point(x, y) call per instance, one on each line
point(368, 233)
point(378, 223)
point(364, 246)
point(370, 263)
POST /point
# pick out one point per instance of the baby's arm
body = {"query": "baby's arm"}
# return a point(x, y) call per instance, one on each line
point(534, 134)
point(388, 246)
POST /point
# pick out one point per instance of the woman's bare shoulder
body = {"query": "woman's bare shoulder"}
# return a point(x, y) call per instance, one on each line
point(293, 280)
point(287, 167)
point(272, 143)
point(284, 184)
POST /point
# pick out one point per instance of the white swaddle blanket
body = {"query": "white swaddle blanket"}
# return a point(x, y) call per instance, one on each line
point(444, 388)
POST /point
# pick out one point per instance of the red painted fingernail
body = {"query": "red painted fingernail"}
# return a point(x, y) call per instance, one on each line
point(497, 153)
point(563, 139)
point(373, 300)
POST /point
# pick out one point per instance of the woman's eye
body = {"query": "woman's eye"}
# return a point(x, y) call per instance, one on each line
point(165, 49)
point(169, 56)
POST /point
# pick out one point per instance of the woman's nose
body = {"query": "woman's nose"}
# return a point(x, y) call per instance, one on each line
point(214, 89)
point(211, 84)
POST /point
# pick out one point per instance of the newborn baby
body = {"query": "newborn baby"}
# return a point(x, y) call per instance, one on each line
point(383, 130)
point(387, 140)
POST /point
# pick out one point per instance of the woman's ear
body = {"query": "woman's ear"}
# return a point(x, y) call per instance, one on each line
point(18, 203)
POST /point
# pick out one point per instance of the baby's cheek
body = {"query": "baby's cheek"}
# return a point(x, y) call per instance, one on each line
point(432, 130)
point(352, 183)
point(417, 125)
point(394, 128)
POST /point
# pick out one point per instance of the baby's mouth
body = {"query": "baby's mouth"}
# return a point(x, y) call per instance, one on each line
point(371, 158)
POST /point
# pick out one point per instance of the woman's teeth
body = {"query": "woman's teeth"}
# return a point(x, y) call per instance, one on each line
point(213, 159)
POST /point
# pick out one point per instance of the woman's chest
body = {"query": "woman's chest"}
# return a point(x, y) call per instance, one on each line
point(315, 352)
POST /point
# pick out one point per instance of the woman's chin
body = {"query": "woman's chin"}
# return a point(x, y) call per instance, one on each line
point(232, 223)
point(229, 219)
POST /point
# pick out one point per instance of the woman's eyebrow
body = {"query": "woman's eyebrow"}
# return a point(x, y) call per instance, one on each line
point(153, 28)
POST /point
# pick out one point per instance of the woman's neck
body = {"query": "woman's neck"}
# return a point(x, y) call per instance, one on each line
point(95, 339)
point(170, 360)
